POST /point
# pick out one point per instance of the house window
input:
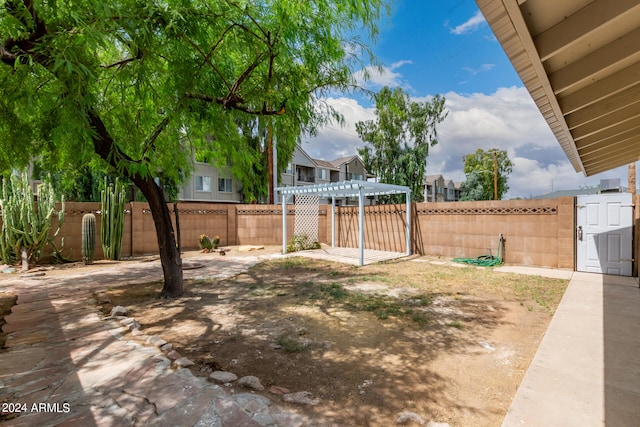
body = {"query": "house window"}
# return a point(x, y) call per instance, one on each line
point(288, 169)
point(225, 185)
point(322, 173)
point(203, 183)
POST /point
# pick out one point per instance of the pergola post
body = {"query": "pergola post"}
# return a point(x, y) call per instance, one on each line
point(284, 224)
point(408, 228)
point(361, 224)
point(333, 221)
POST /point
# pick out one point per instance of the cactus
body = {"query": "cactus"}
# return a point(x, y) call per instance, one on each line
point(112, 226)
point(25, 224)
point(88, 238)
point(205, 243)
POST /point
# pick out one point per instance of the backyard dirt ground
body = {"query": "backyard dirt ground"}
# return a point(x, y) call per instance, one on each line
point(448, 344)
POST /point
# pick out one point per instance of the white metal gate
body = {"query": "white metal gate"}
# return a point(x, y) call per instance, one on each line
point(604, 233)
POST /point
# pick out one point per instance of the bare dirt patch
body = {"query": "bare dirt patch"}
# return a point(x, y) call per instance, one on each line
point(448, 344)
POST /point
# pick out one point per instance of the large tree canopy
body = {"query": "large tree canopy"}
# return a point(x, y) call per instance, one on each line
point(398, 141)
point(483, 170)
point(145, 84)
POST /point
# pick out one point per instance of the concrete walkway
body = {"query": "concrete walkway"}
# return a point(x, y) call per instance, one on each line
point(586, 371)
point(66, 366)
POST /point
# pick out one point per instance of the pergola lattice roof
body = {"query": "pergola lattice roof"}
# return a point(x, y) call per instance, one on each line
point(345, 189)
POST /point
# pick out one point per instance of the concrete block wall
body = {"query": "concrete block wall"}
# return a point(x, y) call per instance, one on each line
point(537, 232)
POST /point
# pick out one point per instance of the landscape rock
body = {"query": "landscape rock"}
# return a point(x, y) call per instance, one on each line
point(435, 424)
point(173, 355)
point(223, 377)
point(301, 397)
point(37, 274)
point(407, 416)
point(130, 323)
point(251, 382)
point(166, 348)
point(118, 310)
point(156, 341)
point(279, 391)
point(183, 362)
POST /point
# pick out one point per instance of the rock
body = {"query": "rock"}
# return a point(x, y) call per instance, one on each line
point(9, 270)
point(166, 348)
point(173, 355)
point(251, 382)
point(223, 377)
point(435, 424)
point(137, 332)
point(130, 323)
point(487, 346)
point(156, 341)
point(301, 397)
point(279, 391)
point(118, 310)
point(27, 275)
point(406, 416)
point(183, 362)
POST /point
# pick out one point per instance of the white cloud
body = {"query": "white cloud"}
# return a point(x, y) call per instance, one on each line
point(507, 119)
point(471, 25)
point(482, 69)
point(373, 77)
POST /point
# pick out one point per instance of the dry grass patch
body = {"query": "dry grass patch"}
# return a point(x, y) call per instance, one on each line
point(448, 343)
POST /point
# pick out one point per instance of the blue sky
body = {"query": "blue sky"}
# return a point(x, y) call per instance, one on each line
point(432, 47)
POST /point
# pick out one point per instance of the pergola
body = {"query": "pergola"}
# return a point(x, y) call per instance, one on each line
point(351, 188)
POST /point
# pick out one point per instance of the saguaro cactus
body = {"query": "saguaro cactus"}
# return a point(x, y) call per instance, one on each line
point(112, 226)
point(88, 238)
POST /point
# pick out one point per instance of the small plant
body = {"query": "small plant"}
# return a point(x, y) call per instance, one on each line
point(301, 242)
point(335, 290)
point(292, 345)
point(456, 324)
point(207, 244)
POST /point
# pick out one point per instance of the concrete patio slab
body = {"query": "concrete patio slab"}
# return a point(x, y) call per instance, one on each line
point(586, 371)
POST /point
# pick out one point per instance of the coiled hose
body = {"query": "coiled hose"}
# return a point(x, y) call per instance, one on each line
point(486, 260)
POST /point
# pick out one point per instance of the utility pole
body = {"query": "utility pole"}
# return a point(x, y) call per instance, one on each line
point(495, 175)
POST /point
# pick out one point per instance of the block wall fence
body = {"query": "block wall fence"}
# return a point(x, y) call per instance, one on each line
point(538, 232)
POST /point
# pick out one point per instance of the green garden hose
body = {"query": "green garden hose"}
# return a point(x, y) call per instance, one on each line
point(485, 260)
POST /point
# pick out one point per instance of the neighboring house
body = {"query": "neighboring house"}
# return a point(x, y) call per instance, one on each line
point(439, 189)
point(212, 184)
point(209, 183)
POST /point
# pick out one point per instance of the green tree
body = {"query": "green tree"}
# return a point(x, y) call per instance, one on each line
point(144, 85)
point(473, 187)
point(398, 140)
point(484, 168)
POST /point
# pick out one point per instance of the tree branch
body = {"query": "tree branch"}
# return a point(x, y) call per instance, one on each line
point(235, 104)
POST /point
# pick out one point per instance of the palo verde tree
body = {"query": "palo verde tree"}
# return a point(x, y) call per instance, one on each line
point(144, 85)
point(483, 170)
point(398, 140)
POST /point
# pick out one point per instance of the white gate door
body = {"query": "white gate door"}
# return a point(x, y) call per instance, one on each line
point(604, 233)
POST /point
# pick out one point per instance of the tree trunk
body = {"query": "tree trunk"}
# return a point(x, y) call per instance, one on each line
point(167, 246)
point(105, 147)
point(632, 178)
